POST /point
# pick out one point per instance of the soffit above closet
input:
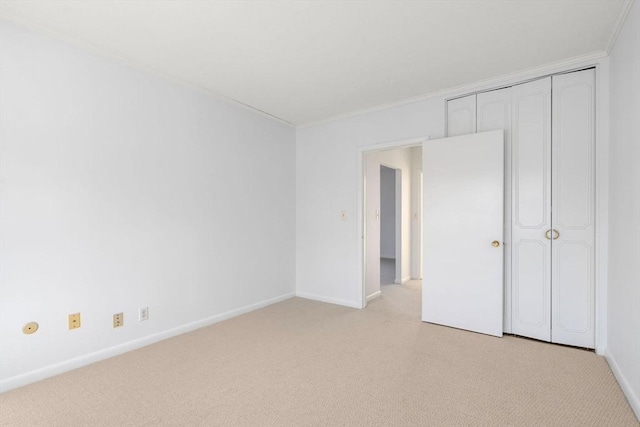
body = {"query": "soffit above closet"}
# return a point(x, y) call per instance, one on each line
point(308, 61)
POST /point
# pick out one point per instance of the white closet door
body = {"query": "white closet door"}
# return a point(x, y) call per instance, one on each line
point(531, 209)
point(461, 116)
point(573, 211)
point(463, 224)
point(494, 113)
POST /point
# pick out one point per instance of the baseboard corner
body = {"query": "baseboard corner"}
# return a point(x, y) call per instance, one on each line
point(374, 295)
point(632, 398)
point(328, 300)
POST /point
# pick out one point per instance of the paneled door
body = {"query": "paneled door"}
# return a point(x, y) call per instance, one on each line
point(531, 209)
point(573, 210)
point(463, 205)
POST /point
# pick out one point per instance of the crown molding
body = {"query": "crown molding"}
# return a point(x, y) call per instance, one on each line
point(617, 27)
point(105, 53)
point(577, 62)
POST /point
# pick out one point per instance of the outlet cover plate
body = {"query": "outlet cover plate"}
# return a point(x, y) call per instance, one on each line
point(74, 321)
point(118, 320)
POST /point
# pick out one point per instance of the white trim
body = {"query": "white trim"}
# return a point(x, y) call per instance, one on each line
point(602, 203)
point(390, 145)
point(321, 298)
point(374, 295)
point(625, 385)
point(87, 359)
point(622, 17)
point(478, 86)
point(60, 36)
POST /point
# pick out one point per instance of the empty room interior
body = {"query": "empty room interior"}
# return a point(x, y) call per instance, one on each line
point(320, 213)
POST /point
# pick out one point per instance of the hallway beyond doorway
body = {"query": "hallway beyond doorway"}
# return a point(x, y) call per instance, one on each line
point(387, 271)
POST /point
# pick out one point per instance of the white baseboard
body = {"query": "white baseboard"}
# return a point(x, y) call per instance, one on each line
point(328, 300)
point(404, 280)
point(374, 296)
point(634, 400)
point(87, 359)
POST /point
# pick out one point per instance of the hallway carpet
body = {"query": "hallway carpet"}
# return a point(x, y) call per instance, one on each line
point(306, 363)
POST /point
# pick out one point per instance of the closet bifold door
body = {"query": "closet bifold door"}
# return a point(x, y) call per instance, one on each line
point(461, 116)
point(531, 209)
point(494, 113)
point(573, 209)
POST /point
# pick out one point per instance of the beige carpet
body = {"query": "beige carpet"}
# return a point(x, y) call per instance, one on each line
point(305, 363)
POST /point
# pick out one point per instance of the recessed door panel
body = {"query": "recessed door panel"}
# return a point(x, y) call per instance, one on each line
point(532, 310)
point(573, 289)
point(531, 154)
point(461, 116)
point(573, 154)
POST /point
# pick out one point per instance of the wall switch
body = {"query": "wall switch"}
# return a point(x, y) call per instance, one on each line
point(118, 320)
point(74, 321)
point(144, 313)
point(343, 215)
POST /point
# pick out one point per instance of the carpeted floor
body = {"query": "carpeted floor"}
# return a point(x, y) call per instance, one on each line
point(305, 363)
point(387, 271)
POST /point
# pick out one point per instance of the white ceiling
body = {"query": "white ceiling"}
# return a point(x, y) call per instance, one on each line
point(307, 61)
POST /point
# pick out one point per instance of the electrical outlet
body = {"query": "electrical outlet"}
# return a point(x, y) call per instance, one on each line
point(144, 313)
point(118, 320)
point(74, 321)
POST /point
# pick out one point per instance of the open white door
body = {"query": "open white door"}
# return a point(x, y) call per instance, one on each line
point(372, 227)
point(463, 232)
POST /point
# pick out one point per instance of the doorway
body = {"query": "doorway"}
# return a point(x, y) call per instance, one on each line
point(390, 225)
point(390, 213)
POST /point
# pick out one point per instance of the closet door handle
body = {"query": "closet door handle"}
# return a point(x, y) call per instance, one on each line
point(556, 234)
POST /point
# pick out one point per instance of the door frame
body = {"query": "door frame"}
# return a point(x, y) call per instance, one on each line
point(362, 152)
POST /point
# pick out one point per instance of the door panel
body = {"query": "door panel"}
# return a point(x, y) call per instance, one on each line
point(463, 213)
point(573, 304)
point(461, 116)
point(372, 225)
point(572, 291)
point(531, 209)
point(532, 307)
point(494, 113)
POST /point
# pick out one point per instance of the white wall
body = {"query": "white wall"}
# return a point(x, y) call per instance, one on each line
point(122, 190)
point(387, 212)
point(623, 350)
point(327, 249)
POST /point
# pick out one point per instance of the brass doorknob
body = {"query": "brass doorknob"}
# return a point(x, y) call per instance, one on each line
point(495, 243)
